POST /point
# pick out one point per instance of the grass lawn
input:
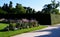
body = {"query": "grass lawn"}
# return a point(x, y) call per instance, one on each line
point(11, 33)
point(3, 25)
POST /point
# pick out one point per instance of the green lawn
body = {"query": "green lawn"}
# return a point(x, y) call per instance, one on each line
point(3, 25)
point(11, 33)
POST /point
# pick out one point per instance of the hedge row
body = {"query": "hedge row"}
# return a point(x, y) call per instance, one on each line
point(55, 19)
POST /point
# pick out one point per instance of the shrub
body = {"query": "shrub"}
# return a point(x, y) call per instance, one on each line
point(25, 23)
point(12, 26)
point(34, 23)
point(18, 25)
point(22, 24)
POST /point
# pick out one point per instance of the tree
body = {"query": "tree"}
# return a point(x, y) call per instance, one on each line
point(49, 8)
point(2, 11)
point(33, 11)
point(38, 12)
point(10, 8)
point(55, 11)
point(0, 7)
point(20, 9)
point(5, 8)
point(10, 4)
point(29, 10)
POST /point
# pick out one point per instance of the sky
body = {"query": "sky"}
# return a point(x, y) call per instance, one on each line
point(35, 4)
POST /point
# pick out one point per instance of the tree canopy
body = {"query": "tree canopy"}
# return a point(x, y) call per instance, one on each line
point(51, 8)
point(19, 9)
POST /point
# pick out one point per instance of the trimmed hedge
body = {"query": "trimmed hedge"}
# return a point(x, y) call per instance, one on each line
point(43, 19)
point(55, 19)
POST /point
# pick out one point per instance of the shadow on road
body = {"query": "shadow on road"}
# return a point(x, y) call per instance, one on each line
point(54, 33)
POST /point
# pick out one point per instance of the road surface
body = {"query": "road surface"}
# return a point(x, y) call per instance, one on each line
point(51, 31)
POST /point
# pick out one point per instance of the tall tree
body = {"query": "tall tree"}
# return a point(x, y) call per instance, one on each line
point(49, 8)
point(2, 11)
point(0, 7)
point(10, 4)
point(29, 10)
point(5, 7)
point(20, 9)
point(33, 11)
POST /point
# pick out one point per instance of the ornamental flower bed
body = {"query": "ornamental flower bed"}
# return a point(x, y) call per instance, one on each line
point(34, 23)
point(22, 24)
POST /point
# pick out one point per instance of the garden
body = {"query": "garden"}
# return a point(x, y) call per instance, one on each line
point(28, 19)
point(14, 27)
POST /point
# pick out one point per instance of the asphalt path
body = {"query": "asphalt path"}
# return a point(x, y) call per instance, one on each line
point(50, 31)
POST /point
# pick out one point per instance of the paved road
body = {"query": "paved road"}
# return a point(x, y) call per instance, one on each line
point(51, 31)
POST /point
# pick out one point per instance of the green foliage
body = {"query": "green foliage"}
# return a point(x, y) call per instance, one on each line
point(33, 11)
point(55, 19)
point(51, 8)
point(12, 26)
point(20, 9)
point(11, 33)
point(55, 11)
point(2, 11)
point(30, 10)
point(24, 25)
point(5, 7)
point(10, 4)
point(19, 25)
point(3, 25)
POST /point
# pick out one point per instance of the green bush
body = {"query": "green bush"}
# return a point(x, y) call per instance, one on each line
point(18, 25)
point(12, 26)
point(22, 24)
point(34, 23)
